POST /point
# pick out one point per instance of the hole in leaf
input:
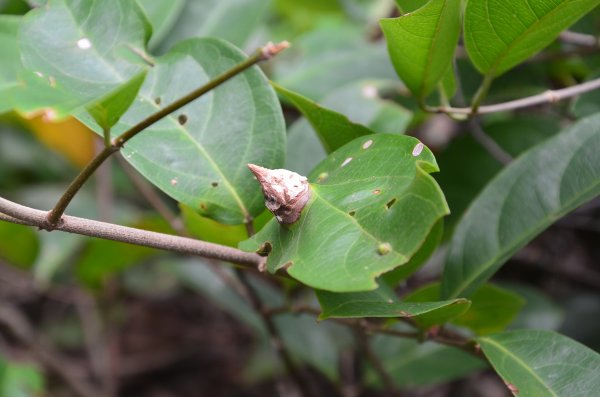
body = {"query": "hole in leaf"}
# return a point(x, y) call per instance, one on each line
point(182, 118)
point(389, 204)
point(265, 249)
point(214, 184)
point(157, 100)
point(352, 213)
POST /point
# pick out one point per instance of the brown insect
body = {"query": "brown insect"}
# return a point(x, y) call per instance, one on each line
point(286, 192)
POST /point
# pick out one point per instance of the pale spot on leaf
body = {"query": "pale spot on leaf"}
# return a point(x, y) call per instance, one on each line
point(84, 43)
point(367, 144)
point(173, 181)
point(345, 163)
point(418, 149)
point(369, 91)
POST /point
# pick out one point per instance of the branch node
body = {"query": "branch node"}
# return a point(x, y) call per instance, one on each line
point(270, 49)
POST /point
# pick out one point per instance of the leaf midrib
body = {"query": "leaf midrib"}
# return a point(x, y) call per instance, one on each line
point(519, 362)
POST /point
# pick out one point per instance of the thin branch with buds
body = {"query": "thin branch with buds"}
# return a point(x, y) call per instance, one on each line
point(550, 96)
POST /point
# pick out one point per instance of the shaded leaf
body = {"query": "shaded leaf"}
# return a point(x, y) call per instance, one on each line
point(492, 308)
point(543, 363)
point(10, 62)
point(163, 16)
point(500, 39)
point(198, 155)
point(367, 215)
point(539, 311)
point(383, 302)
point(334, 129)
point(531, 193)
point(421, 44)
point(19, 245)
point(411, 363)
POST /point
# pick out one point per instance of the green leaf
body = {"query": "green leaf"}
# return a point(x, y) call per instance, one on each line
point(492, 308)
point(19, 245)
point(10, 62)
point(19, 380)
point(531, 193)
point(163, 16)
point(108, 110)
point(543, 363)
point(231, 20)
point(501, 34)
point(539, 312)
point(334, 129)
point(410, 5)
point(383, 302)
point(367, 215)
point(67, 43)
point(198, 155)
point(329, 57)
point(364, 102)
point(411, 363)
point(421, 44)
point(418, 259)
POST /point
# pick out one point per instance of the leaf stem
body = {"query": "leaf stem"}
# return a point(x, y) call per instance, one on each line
point(481, 93)
point(263, 53)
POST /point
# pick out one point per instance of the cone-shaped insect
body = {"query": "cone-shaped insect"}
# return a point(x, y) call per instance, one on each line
point(286, 193)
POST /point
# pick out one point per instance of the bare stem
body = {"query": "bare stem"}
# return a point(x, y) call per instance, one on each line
point(550, 96)
point(264, 53)
point(16, 213)
point(384, 376)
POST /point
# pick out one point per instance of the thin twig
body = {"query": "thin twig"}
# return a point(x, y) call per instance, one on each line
point(16, 213)
point(104, 187)
point(550, 96)
point(580, 39)
point(264, 53)
point(276, 340)
point(23, 331)
point(490, 145)
point(384, 376)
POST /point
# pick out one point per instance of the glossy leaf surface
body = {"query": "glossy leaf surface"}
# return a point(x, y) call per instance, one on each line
point(373, 204)
point(198, 155)
point(501, 34)
point(422, 43)
point(543, 363)
point(531, 193)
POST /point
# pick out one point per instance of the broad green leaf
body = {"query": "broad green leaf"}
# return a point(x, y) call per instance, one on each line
point(363, 102)
point(20, 380)
point(162, 15)
point(501, 34)
point(10, 62)
point(231, 20)
point(543, 363)
point(329, 57)
point(492, 308)
point(418, 259)
point(383, 302)
point(411, 363)
point(334, 129)
point(318, 344)
point(373, 204)
point(67, 43)
point(421, 44)
point(461, 182)
point(307, 14)
point(108, 110)
point(530, 194)
point(198, 155)
point(19, 245)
